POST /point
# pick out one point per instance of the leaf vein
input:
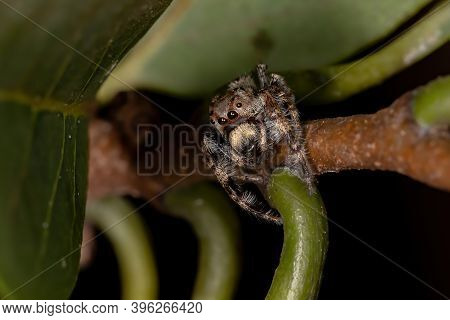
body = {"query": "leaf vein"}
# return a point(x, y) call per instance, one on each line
point(48, 216)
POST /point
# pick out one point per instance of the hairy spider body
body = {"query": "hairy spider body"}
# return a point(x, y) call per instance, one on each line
point(254, 118)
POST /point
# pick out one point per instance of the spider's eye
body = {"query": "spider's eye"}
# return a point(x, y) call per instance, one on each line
point(211, 113)
point(238, 105)
point(212, 121)
point(222, 120)
point(232, 114)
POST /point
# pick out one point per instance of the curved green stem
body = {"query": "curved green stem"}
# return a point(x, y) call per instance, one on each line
point(129, 238)
point(431, 103)
point(216, 226)
point(305, 238)
point(338, 82)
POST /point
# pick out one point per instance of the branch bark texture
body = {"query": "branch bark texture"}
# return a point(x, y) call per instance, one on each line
point(390, 140)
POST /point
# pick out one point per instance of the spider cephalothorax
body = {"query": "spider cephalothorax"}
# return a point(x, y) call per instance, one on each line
point(254, 119)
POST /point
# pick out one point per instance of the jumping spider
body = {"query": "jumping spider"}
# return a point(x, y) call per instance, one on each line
point(253, 121)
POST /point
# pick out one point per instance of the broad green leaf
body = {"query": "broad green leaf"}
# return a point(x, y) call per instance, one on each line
point(42, 194)
point(199, 45)
point(53, 55)
point(334, 83)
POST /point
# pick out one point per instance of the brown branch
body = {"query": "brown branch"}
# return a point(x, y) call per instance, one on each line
point(113, 171)
point(110, 170)
point(387, 140)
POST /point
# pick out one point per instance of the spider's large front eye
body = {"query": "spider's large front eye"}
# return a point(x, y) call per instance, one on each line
point(222, 120)
point(232, 114)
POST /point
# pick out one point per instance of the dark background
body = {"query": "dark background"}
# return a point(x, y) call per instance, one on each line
point(402, 219)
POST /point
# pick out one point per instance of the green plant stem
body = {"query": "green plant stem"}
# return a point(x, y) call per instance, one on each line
point(216, 227)
point(338, 82)
point(305, 238)
point(129, 238)
point(431, 103)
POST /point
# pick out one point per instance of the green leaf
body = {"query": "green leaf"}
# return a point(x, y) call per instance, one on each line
point(64, 49)
point(334, 83)
point(42, 194)
point(53, 56)
point(305, 238)
point(199, 45)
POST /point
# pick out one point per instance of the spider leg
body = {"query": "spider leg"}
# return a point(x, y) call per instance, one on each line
point(247, 200)
point(249, 178)
point(284, 115)
point(298, 160)
point(285, 98)
point(261, 74)
point(219, 158)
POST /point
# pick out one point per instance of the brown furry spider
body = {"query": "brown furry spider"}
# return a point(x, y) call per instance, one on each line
point(254, 119)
